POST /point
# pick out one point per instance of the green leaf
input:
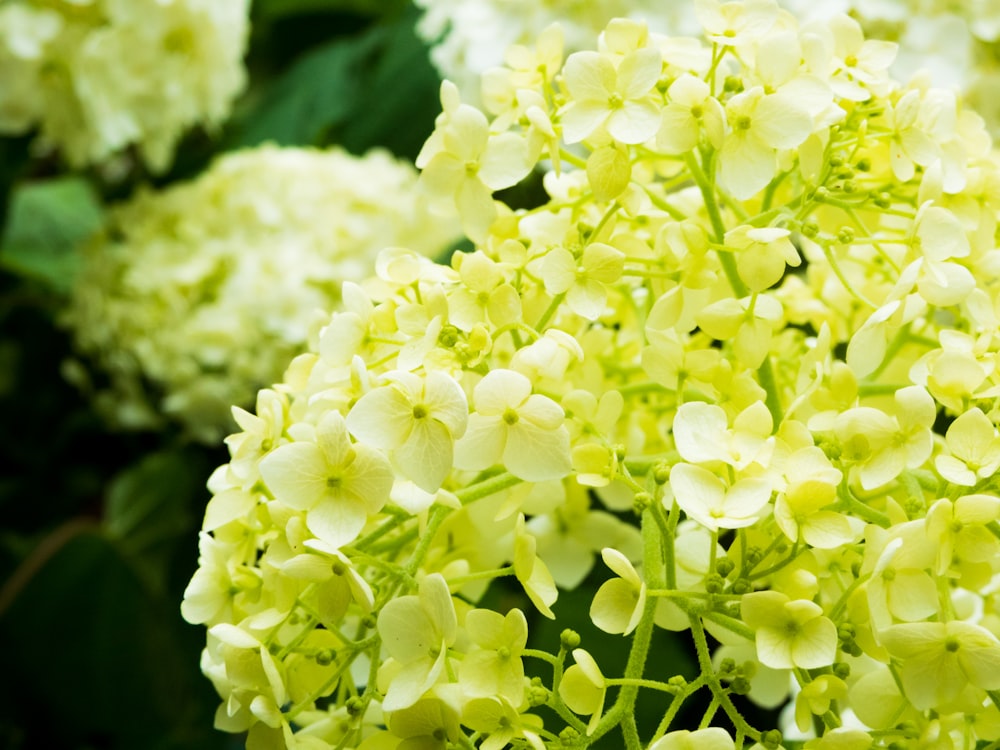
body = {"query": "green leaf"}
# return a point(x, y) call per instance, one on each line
point(319, 92)
point(153, 504)
point(98, 660)
point(47, 221)
point(377, 88)
point(399, 97)
point(272, 9)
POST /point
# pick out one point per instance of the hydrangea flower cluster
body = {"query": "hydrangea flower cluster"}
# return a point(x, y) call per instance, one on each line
point(955, 42)
point(759, 310)
point(470, 37)
point(95, 76)
point(259, 244)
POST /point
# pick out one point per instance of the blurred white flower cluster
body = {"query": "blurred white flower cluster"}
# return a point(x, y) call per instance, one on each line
point(472, 36)
point(95, 76)
point(953, 40)
point(197, 296)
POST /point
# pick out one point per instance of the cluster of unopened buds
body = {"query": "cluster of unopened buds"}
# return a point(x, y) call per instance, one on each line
point(746, 354)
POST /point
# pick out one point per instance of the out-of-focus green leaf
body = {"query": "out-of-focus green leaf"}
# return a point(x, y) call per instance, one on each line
point(97, 660)
point(153, 504)
point(46, 222)
point(270, 9)
point(320, 91)
point(399, 98)
point(376, 88)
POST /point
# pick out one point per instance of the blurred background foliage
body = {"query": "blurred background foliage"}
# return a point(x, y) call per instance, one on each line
point(99, 532)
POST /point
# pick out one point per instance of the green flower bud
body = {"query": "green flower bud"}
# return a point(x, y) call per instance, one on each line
point(569, 639)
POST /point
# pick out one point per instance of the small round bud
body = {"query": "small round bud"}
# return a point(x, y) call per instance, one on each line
point(325, 657)
point(740, 686)
point(754, 555)
point(810, 229)
point(569, 735)
point(678, 681)
point(836, 161)
point(842, 669)
point(661, 473)
point(850, 186)
point(354, 706)
point(569, 639)
point(846, 632)
point(537, 696)
point(863, 165)
point(368, 621)
point(714, 583)
point(845, 236)
point(742, 586)
point(448, 336)
point(771, 739)
point(724, 567)
point(733, 84)
point(727, 666)
point(641, 501)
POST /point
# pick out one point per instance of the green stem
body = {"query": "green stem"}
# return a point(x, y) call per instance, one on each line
point(438, 514)
point(765, 374)
point(487, 487)
point(860, 509)
point(675, 706)
point(712, 207)
point(483, 575)
point(625, 702)
point(718, 692)
point(550, 311)
point(640, 682)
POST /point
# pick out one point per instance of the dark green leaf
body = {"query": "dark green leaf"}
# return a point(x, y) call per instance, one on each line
point(271, 9)
point(96, 659)
point(376, 88)
point(319, 92)
point(153, 504)
point(399, 98)
point(46, 222)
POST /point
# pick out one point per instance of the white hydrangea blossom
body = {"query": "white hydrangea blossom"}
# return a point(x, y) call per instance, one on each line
point(472, 36)
point(95, 76)
point(952, 41)
point(257, 245)
point(759, 309)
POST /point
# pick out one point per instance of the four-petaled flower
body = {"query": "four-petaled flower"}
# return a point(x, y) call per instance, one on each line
point(512, 426)
point(339, 483)
point(418, 419)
